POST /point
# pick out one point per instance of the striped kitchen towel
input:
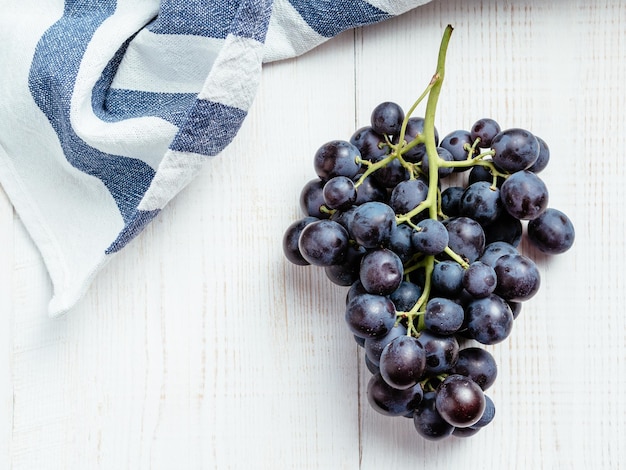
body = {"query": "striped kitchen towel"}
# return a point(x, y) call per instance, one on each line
point(108, 108)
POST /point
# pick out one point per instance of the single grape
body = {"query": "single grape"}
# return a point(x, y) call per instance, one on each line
point(344, 217)
point(337, 158)
point(403, 362)
point(479, 279)
point(515, 149)
point(405, 296)
point(493, 252)
point(373, 368)
point(370, 190)
point(323, 243)
point(401, 244)
point(489, 320)
point(386, 118)
point(443, 316)
point(415, 127)
point(370, 144)
point(466, 237)
point(552, 232)
point(460, 401)
point(290, 241)
point(518, 277)
point(484, 129)
point(478, 364)
point(374, 346)
point(381, 271)
point(407, 195)
point(482, 173)
point(481, 202)
point(370, 316)
point(451, 200)
point(390, 175)
point(455, 143)
point(312, 199)
point(430, 237)
point(524, 195)
point(488, 414)
point(447, 278)
point(428, 422)
point(339, 193)
point(355, 289)
point(543, 159)
point(373, 224)
point(442, 351)
point(505, 228)
point(390, 401)
point(346, 273)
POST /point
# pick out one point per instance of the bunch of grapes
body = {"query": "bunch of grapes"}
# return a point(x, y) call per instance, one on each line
point(425, 233)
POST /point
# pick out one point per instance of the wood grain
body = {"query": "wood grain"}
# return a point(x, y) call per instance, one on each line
point(200, 347)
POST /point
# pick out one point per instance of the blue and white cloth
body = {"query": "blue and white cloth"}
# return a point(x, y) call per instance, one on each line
point(108, 108)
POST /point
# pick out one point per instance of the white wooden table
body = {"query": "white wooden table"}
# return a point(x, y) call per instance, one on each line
point(200, 347)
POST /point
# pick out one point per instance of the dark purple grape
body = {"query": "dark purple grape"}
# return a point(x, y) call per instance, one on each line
point(369, 143)
point(478, 364)
point(339, 193)
point(373, 224)
point(515, 149)
point(430, 237)
point(290, 241)
point(312, 199)
point(488, 414)
point(442, 351)
point(450, 200)
point(516, 307)
point(465, 432)
point(346, 273)
point(505, 228)
point(390, 175)
point(484, 129)
point(370, 316)
point(524, 195)
point(552, 232)
point(481, 202)
point(355, 289)
point(407, 195)
point(323, 243)
point(381, 271)
point(386, 118)
point(415, 127)
point(479, 279)
point(428, 422)
point(518, 277)
point(467, 238)
point(406, 296)
point(374, 346)
point(460, 401)
point(401, 244)
point(370, 190)
point(447, 278)
point(373, 368)
point(390, 401)
point(482, 173)
point(336, 158)
point(493, 251)
point(443, 316)
point(403, 362)
point(543, 159)
point(489, 320)
point(455, 143)
point(344, 217)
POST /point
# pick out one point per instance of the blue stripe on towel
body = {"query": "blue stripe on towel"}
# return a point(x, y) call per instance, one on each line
point(51, 81)
point(329, 18)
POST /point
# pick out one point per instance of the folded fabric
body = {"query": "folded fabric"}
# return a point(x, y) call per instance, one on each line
point(109, 108)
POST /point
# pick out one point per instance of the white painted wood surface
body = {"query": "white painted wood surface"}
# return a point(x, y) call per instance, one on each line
point(200, 347)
